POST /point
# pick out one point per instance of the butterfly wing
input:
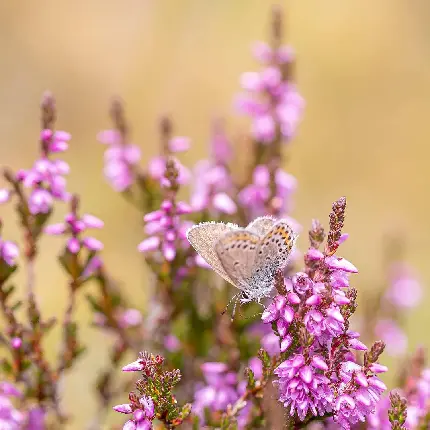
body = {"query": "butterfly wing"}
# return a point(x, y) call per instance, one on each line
point(203, 238)
point(261, 225)
point(276, 246)
point(237, 251)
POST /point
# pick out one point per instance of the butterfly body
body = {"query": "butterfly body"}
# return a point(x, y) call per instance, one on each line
point(249, 258)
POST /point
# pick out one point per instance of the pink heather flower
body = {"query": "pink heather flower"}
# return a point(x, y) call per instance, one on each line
point(120, 160)
point(417, 399)
point(10, 417)
point(142, 416)
point(315, 323)
point(157, 169)
point(224, 203)
point(220, 389)
point(57, 141)
point(130, 318)
point(221, 151)
point(4, 195)
point(303, 387)
point(179, 144)
point(166, 230)
point(46, 178)
point(172, 343)
point(301, 283)
point(264, 128)
point(75, 226)
point(358, 394)
point(405, 290)
point(339, 263)
point(273, 103)
point(135, 366)
point(255, 196)
point(212, 188)
point(40, 201)
point(394, 337)
point(283, 314)
point(9, 252)
point(270, 343)
point(16, 343)
point(36, 419)
point(266, 55)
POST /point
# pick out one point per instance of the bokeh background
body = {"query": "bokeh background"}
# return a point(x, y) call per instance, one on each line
point(363, 68)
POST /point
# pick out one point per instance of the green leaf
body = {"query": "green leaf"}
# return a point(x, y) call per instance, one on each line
point(39, 222)
point(93, 303)
point(6, 366)
point(70, 264)
point(250, 377)
point(265, 358)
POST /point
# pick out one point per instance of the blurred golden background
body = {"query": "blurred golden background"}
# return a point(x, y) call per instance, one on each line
point(363, 68)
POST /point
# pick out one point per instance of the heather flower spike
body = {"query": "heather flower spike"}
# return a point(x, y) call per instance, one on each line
point(153, 397)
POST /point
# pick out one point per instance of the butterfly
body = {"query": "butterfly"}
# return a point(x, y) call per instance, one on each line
point(248, 258)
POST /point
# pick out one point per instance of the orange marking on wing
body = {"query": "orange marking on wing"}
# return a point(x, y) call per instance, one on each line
point(242, 237)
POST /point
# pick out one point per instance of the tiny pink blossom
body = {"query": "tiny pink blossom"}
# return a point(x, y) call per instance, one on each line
point(91, 221)
point(92, 244)
point(135, 366)
point(224, 203)
point(150, 244)
point(4, 195)
point(16, 342)
point(124, 408)
point(179, 144)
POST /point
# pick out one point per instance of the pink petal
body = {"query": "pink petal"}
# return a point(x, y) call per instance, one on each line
point(341, 264)
point(378, 368)
point(286, 343)
point(124, 408)
point(179, 144)
point(224, 203)
point(306, 374)
point(91, 221)
point(135, 366)
point(4, 195)
point(319, 363)
point(314, 300)
point(357, 345)
point(55, 229)
point(92, 244)
point(293, 298)
point(73, 245)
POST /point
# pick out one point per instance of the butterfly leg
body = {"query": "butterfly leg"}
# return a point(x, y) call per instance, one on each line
point(229, 303)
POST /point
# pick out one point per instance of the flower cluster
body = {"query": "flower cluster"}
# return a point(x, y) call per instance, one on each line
point(404, 293)
point(153, 397)
point(256, 195)
point(273, 101)
point(408, 405)
point(164, 226)
point(10, 417)
point(46, 179)
point(8, 252)
point(221, 390)
point(322, 375)
point(74, 226)
point(157, 165)
point(121, 156)
point(213, 183)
